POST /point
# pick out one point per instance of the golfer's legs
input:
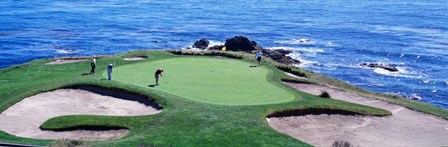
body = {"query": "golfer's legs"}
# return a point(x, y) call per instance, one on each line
point(109, 75)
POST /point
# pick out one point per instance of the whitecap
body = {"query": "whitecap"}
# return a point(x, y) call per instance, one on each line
point(302, 41)
point(402, 72)
point(214, 43)
point(65, 51)
point(415, 96)
point(311, 50)
point(303, 62)
point(434, 91)
point(210, 44)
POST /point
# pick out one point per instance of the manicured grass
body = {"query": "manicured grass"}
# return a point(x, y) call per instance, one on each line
point(205, 79)
point(183, 122)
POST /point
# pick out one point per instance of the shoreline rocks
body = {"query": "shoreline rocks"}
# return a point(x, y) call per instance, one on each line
point(201, 43)
point(243, 44)
point(388, 67)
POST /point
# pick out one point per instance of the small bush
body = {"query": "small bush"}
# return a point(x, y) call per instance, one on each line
point(324, 94)
point(341, 143)
point(68, 143)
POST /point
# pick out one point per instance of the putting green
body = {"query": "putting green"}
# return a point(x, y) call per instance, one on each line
point(210, 80)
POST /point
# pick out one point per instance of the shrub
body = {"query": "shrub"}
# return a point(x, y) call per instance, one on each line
point(341, 143)
point(68, 143)
point(324, 94)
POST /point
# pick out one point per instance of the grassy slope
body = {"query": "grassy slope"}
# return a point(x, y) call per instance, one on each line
point(211, 80)
point(182, 123)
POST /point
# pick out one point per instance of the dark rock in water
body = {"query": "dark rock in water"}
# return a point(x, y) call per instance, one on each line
point(241, 43)
point(387, 67)
point(201, 43)
point(279, 55)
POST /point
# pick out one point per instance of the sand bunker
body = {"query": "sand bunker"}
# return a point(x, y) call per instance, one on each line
point(66, 60)
point(24, 118)
point(136, 58)
point(404, 128)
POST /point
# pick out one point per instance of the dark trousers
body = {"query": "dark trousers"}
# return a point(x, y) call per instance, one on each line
point(93, 68)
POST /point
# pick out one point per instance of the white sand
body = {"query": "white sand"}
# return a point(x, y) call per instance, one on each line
point(24, 118)
point(404, 128)
point(66, 61)
point(138, 58)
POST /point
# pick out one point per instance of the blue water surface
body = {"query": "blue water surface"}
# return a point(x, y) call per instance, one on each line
point(331, 37)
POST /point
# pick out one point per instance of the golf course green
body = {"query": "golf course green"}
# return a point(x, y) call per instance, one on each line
point(208, 98)
point(205, 79)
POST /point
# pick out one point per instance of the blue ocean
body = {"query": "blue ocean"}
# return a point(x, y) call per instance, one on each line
point(331, 37)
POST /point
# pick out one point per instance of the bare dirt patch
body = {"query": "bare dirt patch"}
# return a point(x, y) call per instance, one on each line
point(25, 117)
point(404, 128)
point(136, 58)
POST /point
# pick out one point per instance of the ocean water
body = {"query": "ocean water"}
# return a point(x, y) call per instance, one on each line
point(331, 37)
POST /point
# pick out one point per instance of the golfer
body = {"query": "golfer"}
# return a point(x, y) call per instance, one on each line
point(109, 71)
point(93, 65)
point(258, 56)
point(157, 74)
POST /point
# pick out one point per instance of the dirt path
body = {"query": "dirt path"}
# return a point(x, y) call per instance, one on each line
point(24, 118)
point(404, 128)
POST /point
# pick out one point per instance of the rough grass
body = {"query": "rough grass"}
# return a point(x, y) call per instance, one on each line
point(183, 122)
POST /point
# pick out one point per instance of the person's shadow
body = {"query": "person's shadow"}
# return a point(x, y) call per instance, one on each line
point(153, 85)
point(253, 66)
point(85, 74)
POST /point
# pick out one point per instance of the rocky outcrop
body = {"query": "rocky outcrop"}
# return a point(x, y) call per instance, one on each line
point(241, 43)
point(201, 43)
point(280, 55)
point(388, 67)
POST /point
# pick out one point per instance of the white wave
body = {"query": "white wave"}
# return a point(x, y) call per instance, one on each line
point(303, 41)
point(213, 43)
point(65, 51)
point(310, 50)
point(210, 44)
point(370, 84)
point(402, 72)
point(415, 96)
point(303, 62)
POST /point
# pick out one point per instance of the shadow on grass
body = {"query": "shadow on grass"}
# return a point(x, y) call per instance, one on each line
point(85, 74)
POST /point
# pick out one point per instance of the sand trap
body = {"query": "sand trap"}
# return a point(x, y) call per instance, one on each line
point(66, 61)
point(136, 58)
point(293, 75)
point(404, 128)
point(24, 118)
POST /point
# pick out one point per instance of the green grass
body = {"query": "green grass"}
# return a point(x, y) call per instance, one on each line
point(210, 80)
point(183, 122)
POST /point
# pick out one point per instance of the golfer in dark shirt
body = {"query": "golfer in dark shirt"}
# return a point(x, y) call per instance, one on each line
point(157, 74)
